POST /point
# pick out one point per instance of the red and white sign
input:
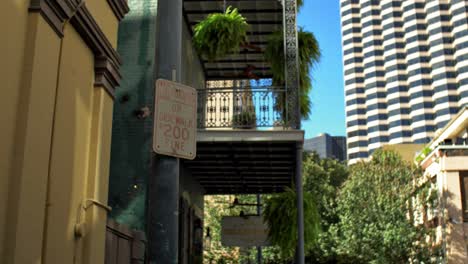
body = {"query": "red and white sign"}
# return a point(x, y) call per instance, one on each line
point(175, 120)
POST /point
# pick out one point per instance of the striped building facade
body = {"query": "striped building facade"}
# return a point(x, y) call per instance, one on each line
point(405, 69)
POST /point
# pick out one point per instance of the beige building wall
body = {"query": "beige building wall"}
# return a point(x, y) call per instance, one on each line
point(446, 170)
point(446, 163)
point(407, 151)
point(457, 238)
point(58, 73)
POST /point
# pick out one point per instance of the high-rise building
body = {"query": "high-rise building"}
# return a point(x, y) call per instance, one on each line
point(327, 146)
point(405, 69)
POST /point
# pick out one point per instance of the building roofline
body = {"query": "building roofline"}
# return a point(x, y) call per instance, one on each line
point(454, 126)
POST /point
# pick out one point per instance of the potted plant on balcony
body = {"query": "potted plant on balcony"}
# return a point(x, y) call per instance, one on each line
point(244, 120)
point(309, 54)
point(220, 34)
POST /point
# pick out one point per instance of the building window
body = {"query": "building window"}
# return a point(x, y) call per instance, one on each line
point(464, 193)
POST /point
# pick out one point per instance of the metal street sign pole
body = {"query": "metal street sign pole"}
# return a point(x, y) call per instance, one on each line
point(259, 212)
point(175, 120)
point(163, 187)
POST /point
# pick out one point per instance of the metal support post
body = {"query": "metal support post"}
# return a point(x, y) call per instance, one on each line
point(163, 211)
point(259, 212)
point(163, 188)
point(291, 70)
point(300, 206)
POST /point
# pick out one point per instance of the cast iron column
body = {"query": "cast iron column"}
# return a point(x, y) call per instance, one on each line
point(300, 206)
point(163, 189)
point(293, 113)
point(259, 212)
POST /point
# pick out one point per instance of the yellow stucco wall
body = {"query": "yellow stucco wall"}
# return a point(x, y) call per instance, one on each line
point(105, 18)
point(31, 122)
point(11, 64)
point(70, 148)
point(55, 140)
point(97, 184)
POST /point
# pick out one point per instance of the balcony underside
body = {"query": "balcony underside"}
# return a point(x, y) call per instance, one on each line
point(264, 18)
point(245, 161)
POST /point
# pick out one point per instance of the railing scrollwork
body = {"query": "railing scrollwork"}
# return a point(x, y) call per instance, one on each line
point(242, 108)
point(291, 62)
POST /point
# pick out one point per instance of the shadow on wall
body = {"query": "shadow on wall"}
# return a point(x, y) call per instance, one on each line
point(454, 231)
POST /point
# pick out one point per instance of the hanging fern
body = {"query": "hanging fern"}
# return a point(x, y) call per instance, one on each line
point(220, 34)
point(309, 54)
point(280, 214)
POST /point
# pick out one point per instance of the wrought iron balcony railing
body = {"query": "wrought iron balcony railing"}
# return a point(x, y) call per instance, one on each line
point(242, 107)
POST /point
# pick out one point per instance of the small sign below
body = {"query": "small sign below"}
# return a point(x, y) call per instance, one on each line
point(240, 231)
point(175, 120)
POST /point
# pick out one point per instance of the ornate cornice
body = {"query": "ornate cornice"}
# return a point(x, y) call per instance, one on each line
point(120, 8)
point(54, 12)
point(106, 59)
point(106, 74)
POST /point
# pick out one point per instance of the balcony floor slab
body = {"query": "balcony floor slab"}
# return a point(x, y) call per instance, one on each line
point(245, 161)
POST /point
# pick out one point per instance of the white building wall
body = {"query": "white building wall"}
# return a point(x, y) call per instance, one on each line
point(405, 69)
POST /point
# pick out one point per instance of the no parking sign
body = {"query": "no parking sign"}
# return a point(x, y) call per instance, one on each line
point(175, 120)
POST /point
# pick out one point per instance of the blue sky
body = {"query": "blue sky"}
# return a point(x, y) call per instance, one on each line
point(322, 17)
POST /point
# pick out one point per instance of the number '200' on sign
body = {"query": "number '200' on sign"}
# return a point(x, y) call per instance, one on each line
point(175, 119)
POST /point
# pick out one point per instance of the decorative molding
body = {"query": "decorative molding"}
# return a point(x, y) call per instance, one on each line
point(106, 59)
point(120, 8)
point(106, 74)
point(55, 13)
point(291, 63)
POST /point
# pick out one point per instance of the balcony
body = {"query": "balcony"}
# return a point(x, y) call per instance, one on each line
point(242, 106)
point(246, 143)
point(248, 138)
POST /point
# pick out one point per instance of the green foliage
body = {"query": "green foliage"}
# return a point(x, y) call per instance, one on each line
point(323, 178)
point(280, 213)
point(215, 207)
point(309, 54)
point(220, 34)
point(373, 207)
point(369, 213)
point(300, 3)
point(426, 151)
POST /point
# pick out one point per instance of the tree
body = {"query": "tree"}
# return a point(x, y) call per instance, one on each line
point(280, 214)
point(309, 55)
point(323, 178)
point(374, 206)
